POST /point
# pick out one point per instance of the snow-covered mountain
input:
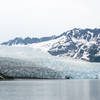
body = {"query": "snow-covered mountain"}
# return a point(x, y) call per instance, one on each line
point(76, 43)
point(26, 41)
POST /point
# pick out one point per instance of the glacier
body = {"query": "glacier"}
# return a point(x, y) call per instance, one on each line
point(21, 59)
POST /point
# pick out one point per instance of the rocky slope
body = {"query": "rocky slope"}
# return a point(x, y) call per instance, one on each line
point(1, 77)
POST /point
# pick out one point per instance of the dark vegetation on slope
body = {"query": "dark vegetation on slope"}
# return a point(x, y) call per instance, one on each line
point(4, 77)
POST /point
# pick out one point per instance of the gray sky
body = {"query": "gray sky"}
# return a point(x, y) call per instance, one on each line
point(46, 17)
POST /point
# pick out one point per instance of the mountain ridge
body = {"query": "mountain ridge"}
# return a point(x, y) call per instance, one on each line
point(76, 43)
point(27, 40)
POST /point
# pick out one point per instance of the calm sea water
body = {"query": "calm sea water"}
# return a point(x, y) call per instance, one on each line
point(50, 90)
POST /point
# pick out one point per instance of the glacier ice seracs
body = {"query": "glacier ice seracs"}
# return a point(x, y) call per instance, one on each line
point(73, 68)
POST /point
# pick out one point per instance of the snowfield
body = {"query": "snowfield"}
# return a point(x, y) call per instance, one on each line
point(34, 61)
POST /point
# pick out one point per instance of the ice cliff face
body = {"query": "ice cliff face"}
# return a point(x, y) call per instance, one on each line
point(31, 62)
point(16, 68)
